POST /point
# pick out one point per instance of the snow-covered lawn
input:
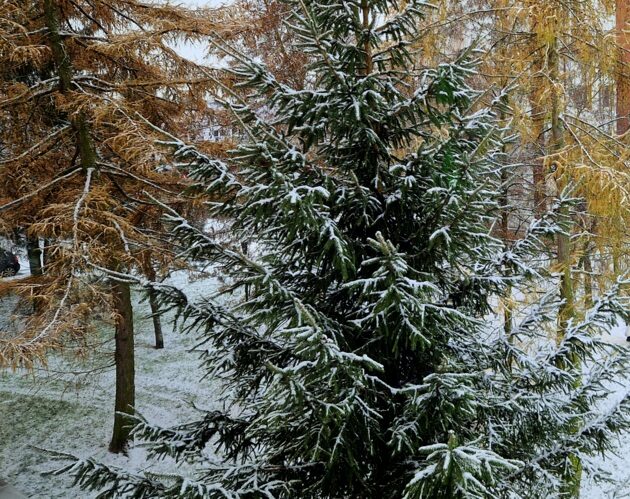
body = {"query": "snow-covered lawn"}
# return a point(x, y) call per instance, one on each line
point(66, 410)
point(71, 412)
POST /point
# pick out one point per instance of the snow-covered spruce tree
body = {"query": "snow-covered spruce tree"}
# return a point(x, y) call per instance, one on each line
point(363, 362)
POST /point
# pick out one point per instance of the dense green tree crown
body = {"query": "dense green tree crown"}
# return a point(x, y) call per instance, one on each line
point(362, 361)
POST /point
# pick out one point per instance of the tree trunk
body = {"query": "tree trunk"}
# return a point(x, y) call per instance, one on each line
point(365, 14)
point(564, 241)
point(46, 252)
point(505, 227)
point(157, 323)
point(125, 366)
point(35, 264)
point(245, 250)
point(623, 74)
point(121, 294)
point(63, 64)
point(573, 476)
point(623, 88)
point(34, 256)
point(588, 278)
point(149, 272)
point(536, 97)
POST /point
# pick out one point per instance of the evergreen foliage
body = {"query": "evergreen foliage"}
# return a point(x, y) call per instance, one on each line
point(363, 361)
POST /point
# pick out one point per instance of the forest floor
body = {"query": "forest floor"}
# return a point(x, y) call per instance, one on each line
point(68, 410)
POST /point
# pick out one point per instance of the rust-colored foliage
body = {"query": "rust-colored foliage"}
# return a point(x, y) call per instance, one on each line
point(85, 86)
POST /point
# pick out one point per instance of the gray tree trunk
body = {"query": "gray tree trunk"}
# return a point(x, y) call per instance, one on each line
point(125, 366)
point(149, 271)
point(34, 256)
point(157, 323)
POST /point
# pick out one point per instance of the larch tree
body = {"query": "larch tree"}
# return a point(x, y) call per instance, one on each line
point(362, 363)
point(622, 18)
point(271, 40)
point(593, 161)
point(87, 87)
point(562, 60)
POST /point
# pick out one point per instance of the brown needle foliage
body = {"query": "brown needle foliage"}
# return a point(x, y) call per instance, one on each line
point(85, 88)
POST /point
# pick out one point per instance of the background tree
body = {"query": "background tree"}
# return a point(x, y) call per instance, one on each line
point(622, 18)
point(562, 59)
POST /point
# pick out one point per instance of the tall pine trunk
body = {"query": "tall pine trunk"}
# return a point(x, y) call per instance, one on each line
point(125, 365)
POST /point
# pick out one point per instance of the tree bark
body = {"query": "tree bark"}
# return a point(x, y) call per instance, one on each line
point(538, 132)
point(63, 64)
point(365, 14)
point(157, 323)
point(622, 10)
point(573, 476)
point(245, 250)
point(125, 366)
point(121, 295)
point(563, 241)
point(34, 253)
point(623, 73)
point(46, 252)
point(588, 278)
point(505, 229)
point(149, 271)
point(507, 302)
point(34, 256)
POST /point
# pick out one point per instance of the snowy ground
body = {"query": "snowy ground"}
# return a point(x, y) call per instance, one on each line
point(66, 410)
point(69, 411)
point(617, 466)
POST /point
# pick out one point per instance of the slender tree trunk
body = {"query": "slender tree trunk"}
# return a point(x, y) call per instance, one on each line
point(573, 476)
point(245, 250)
point(623, 74)
point(588, 277)
point(505, 230)
point(564, 240)
point(623, 89)
point(157, 323)
point(34, 256)
point(365, 14)
point(35, 264)
point(538, 132)
point(508, 315)
point(149, 271)
point(64, 72)
point(46, 255)
point(125, 365)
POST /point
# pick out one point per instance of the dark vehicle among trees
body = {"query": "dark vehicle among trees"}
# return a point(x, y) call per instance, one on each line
point(9, 263)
